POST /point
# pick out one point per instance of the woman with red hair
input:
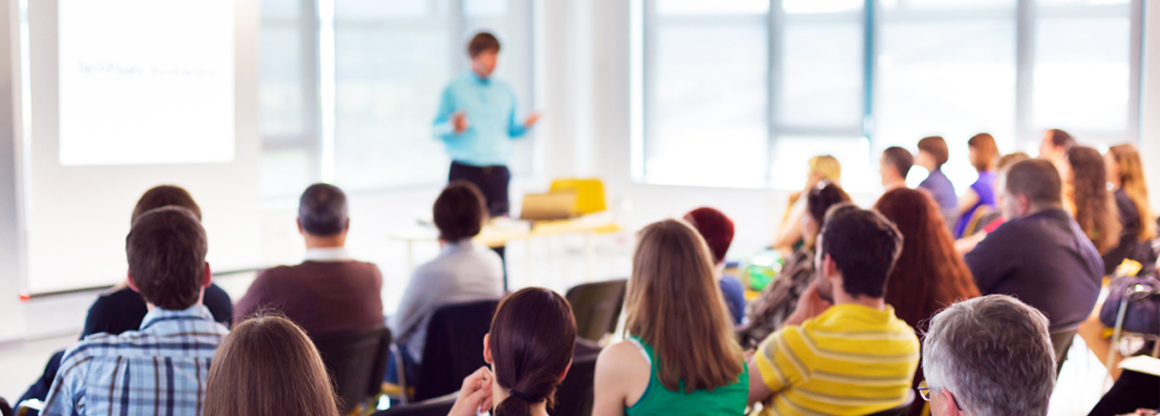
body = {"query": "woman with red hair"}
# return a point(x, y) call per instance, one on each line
point(717, 230)
point(929, 275)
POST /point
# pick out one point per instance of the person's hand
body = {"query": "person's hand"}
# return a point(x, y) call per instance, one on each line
point(810, 305)
point(1142, 412)
point(475, 395)
point(532, 119)
point(459, 122)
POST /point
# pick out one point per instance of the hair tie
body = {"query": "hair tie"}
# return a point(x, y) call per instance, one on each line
point(525, 397)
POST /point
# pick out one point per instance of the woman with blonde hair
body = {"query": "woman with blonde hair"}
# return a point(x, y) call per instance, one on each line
point(681, 356)
point(267, 366)
point(1138, 222)
point(823, 168)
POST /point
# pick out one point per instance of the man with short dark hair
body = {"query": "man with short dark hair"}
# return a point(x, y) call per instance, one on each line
point(894, 166)
point(329, 292)
point(464, 271)
point(988, 356)
point(161, 368)
point(1040, 255)
point(854, 357)
point(932, 155)
point(1054, 146)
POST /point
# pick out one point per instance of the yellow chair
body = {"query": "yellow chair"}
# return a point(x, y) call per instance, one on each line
point(589, 193)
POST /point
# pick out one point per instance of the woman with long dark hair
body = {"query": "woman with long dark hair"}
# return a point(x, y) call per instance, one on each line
point(529, 349)
point(1093, 206)
point(928, 275)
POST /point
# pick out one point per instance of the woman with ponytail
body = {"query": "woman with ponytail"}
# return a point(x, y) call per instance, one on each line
point(529, 349)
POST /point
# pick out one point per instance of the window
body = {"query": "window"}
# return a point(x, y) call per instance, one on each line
point(350, 87)
point(744, 92)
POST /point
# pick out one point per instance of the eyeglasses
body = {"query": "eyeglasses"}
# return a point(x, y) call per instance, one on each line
point(924, 391)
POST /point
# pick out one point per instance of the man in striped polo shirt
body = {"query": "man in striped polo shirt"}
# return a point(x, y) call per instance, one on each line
point(842, 351)
point(160, 369)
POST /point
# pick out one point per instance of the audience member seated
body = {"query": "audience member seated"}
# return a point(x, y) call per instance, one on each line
point(842, 329)
point(1137, 220)
point(1093, 207)
point(529, 349)
point(929, 275)
point(894, 166)
point(1054, 147)
point(988, 356)
point(824, 168)
point(780, 298)
point(932, 155)
point(122, 308)
point(1040, 255)
point(674, 361)
point(717, 229)
point(267, 366)
point(464, 271)
point(161, 368)
point(984, 153)
point(1132, 391)
point(990, 221)
point(329, 292)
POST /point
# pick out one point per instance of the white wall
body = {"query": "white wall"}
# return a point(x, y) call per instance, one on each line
point(11, 234)
point(1150, 111)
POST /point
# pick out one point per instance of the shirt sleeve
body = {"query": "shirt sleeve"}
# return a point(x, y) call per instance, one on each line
point(443, 129)
point(780, 365)
point(414, 304)
point(66, 396)
point(516, 128)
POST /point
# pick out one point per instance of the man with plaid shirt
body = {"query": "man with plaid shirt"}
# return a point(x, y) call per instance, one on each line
point(160, 369)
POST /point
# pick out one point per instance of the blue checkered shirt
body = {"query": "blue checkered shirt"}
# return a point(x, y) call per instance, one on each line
point(159, 370)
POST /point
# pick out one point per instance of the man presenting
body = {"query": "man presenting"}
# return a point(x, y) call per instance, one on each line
point(477, 121)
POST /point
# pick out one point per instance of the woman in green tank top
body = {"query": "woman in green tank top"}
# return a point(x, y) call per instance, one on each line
point(681, 356)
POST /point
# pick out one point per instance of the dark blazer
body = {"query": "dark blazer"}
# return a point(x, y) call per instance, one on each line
point(1046, 261)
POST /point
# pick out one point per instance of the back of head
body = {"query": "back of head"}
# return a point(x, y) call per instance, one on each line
point(459, 211)
point(899, 158)
point(671, 274)
point(532, 338)
point(819, 201)
point(1133, 184)
point(937, 147)
point(1036, 179)
point(267, 366)
point(986, 150)
point(482, 41)
point(928, 273)
point(322, 210)
point(166, 249)
point(1010, 159)
point(715, 228)
point(1095, 210)
point(827, 167)
point(163, 196)
point(864, 246)
point(993, 354)
point(1061, 139)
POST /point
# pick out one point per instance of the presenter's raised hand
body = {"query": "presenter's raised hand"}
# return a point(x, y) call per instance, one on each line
point(532, 119)
point(459, 122)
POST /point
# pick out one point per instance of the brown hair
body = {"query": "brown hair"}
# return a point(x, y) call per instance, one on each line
point(900, 158)
point(459, 211)
point(1060, 138)
point(928, 275)
point(937, 147)
point(1036, 179)
point(267, 366)
point(481, 42)
point(166, 195)
point(1010, 159)
point(672, 274)
point(1132, 182)
point(532, 338)
point(1095, 208)
point(986, 149)
point(166, 249)
point(715, 228)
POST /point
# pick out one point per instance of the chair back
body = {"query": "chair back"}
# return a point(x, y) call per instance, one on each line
point(356, 362)
point(589, 193)
point(597, 307)
point(901, 410)
point(575, 395)
point(1061, 340)
point(454, 347)
point(439, 406)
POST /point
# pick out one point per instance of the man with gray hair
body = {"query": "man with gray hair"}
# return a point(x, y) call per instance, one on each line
point(988, 356)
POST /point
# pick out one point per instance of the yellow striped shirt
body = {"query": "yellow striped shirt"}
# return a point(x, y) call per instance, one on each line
point(850, 360)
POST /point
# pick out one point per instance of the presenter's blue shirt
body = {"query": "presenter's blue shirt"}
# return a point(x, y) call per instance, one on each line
point(490, 108)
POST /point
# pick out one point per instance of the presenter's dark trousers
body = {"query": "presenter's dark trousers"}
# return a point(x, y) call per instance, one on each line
point(493, 182)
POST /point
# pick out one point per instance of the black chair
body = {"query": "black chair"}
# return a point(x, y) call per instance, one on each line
point(575, 395)
point(356, 363)
point(1061, 339)
point(5, 409)
point(439, 406)
point(454, 347)
point(902, 410)
point(597, 307)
